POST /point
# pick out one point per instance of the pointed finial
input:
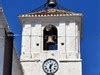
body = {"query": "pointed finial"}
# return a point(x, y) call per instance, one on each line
point(52, 3)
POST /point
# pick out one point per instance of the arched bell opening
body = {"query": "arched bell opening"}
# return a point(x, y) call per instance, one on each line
point(50, 39)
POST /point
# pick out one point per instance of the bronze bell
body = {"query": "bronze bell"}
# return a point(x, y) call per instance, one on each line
point(52, 3)
point(50, 39)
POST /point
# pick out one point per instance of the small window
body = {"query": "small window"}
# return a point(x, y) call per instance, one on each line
point(62, 43)
point(37, 44)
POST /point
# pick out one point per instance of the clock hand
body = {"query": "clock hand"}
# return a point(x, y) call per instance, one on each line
point(50, 66)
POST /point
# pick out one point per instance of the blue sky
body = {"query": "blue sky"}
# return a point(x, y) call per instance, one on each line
point(90, 40)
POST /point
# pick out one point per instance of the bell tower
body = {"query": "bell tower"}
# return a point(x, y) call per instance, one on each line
point(51, 41)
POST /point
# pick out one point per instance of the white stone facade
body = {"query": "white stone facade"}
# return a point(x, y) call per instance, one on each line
point(67, 55)
point(3, 28)
point(16, 66)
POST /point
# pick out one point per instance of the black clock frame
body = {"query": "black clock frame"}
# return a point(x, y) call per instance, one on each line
point(46, 61)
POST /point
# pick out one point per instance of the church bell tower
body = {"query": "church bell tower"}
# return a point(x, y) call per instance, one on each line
point(51, 41)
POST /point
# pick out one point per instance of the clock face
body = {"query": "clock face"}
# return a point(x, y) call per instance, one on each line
point(50, 66)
